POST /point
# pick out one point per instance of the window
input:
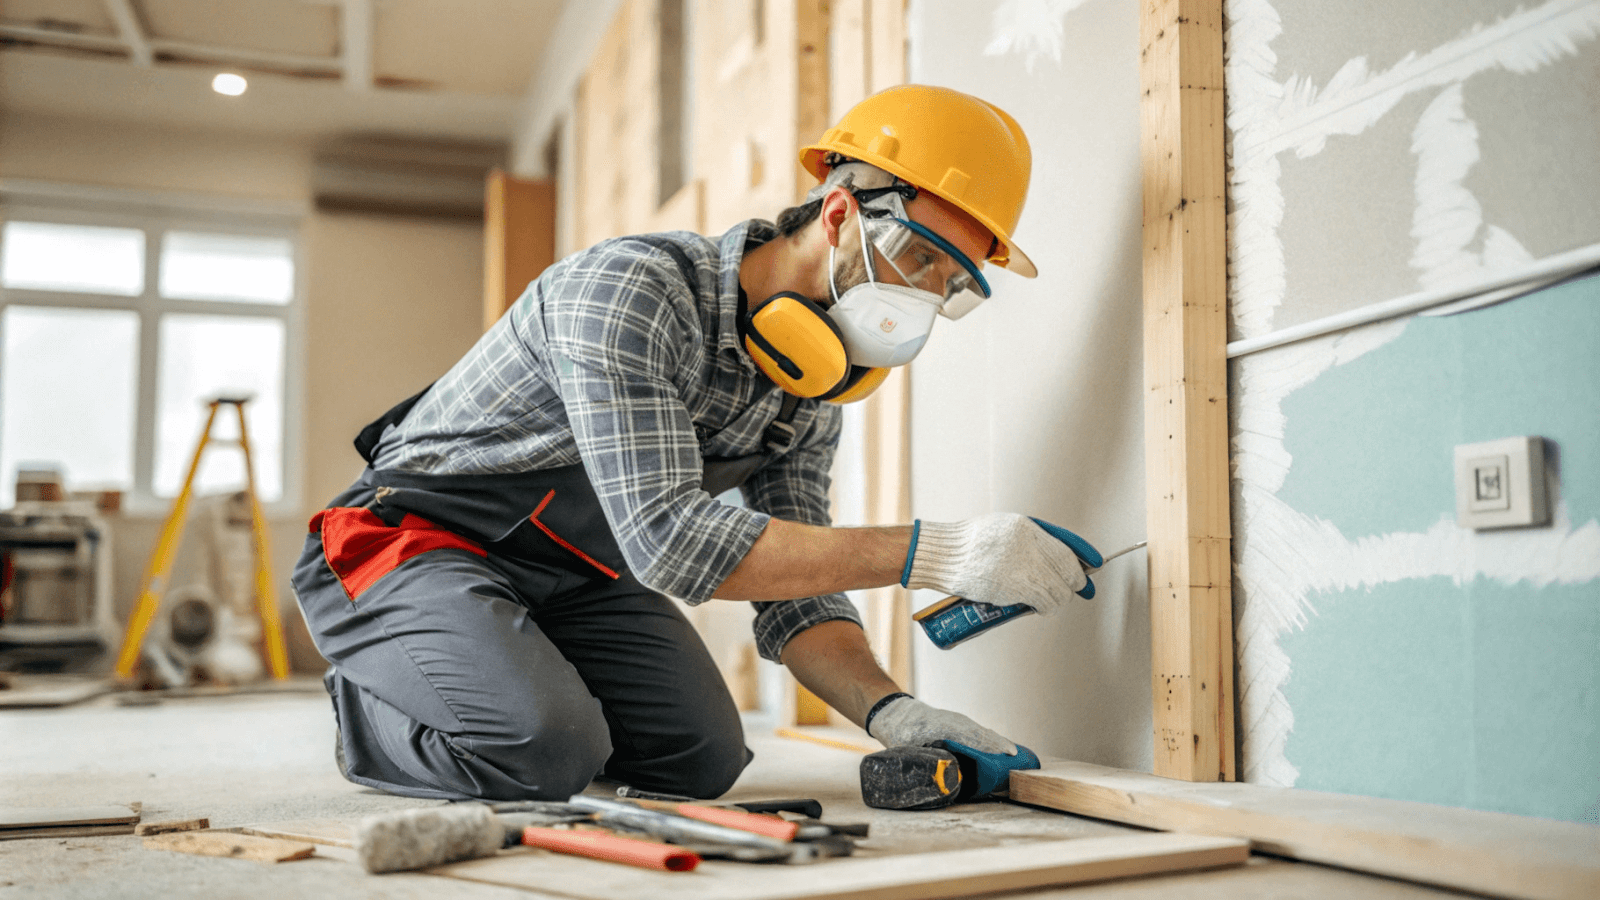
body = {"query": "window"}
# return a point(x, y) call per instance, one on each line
point(120, 317)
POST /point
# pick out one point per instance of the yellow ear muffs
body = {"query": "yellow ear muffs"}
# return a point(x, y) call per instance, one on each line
point(797, 345)
point(863, 380)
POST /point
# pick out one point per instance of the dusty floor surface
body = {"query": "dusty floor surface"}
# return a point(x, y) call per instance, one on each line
point(260, 758)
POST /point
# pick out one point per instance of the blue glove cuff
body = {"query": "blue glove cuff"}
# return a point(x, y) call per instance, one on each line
point(911, 552)
point(1084, 550)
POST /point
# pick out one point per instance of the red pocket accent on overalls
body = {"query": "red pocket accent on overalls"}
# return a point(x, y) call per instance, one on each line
point(361, 548)
point(565, 544)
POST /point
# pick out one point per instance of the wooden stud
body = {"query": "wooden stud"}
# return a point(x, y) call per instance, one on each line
point(519, 239)
point(1186, 410)
point(1482, 852)
point(813, 76)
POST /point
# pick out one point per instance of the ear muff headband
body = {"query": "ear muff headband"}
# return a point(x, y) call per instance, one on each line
point(797, 345)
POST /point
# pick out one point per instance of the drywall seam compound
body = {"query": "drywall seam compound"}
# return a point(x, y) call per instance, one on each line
point(1448, 219)
point(1267, 117)
point(1031, 29)
point(1281, 556)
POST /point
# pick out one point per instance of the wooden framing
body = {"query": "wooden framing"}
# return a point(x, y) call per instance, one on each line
point(519, 239)
point(1186, 410)
point(1482, 852)
point(868, 53)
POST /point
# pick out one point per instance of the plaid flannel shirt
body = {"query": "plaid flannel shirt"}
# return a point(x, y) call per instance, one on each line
point(614, 359)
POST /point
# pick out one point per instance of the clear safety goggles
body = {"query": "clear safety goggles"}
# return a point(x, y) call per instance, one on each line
point(923, 260)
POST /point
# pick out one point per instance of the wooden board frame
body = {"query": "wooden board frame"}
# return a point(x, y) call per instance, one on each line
point(1186, 410)
point(1483, 852)
point(918, 876)
point(519, 239)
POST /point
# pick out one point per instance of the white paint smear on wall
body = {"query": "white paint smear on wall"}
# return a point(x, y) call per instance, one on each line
point(1448, 221)
point(1267, 117)
point(1032, 29)
point(1283, 557)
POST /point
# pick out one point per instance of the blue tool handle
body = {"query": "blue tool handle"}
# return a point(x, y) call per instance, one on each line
point(993, 769)
point(1084, 550)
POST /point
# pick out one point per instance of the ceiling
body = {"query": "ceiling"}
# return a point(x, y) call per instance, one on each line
point(318, 69)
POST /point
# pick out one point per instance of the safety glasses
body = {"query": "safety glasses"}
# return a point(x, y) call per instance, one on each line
point(925, 261)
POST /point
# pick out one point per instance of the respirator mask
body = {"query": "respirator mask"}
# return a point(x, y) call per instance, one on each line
point(843, 353)
point(913, 276)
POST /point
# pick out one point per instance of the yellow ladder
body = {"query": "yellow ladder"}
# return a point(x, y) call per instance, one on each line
point(155, 577)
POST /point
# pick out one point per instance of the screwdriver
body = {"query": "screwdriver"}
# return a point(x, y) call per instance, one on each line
point(955, 620)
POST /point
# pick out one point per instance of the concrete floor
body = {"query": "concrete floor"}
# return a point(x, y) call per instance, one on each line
point(251, 759)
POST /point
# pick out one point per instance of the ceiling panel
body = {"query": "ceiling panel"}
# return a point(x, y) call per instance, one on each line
point(478, 47)
point(294, 27)
point(79, 16)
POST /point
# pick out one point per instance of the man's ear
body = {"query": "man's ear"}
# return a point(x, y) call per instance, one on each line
point(837, 204)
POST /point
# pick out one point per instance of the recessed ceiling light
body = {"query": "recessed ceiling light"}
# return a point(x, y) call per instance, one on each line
point(229, 83)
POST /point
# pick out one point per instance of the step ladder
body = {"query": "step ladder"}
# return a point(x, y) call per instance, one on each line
point(166, 550)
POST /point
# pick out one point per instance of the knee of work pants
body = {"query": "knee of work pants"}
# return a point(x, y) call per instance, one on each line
point(445, 687)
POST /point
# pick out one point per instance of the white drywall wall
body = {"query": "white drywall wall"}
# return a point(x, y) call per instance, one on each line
point(1033, 403)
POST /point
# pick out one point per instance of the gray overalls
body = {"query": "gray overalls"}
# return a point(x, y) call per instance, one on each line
point(487, 640)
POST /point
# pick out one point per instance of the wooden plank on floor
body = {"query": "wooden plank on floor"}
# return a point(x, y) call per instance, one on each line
point(18, 822)
point(231, 845)
point(1484, 852)
point(43, 691)
point(50, 816)
point(921, 876)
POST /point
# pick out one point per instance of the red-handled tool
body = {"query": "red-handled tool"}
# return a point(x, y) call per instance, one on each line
point(768, 826)
point(612, 848)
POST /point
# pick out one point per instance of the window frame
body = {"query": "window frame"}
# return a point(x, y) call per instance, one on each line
point(155, 214)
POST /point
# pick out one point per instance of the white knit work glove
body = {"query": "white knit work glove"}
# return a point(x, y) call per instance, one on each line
point(908, 722)
point(1001, 558)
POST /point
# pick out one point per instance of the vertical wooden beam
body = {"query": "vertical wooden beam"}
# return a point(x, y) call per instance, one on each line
point(519, 239)
point(813, 79)
point(1186, 409)
point(888, 418)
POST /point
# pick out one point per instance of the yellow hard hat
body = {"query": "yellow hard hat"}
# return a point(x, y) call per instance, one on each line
point(951, 144)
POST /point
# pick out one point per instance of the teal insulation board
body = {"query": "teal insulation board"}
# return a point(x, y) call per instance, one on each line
point(1477, 685)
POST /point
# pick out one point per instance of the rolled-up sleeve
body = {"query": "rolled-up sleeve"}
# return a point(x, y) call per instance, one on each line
point(795, 487)
point(616, 329)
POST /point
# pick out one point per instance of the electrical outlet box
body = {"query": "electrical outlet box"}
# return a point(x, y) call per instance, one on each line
point(1501, 484)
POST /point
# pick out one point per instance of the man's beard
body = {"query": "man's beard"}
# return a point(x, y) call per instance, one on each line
point(849, 270)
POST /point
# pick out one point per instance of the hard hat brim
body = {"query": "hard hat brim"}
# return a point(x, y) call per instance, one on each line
point(1018, 262)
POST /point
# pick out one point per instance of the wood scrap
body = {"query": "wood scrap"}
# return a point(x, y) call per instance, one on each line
point(920, 876)
point(323, 832)
point(171, 825)
point(67, 821)
point(231, 844)
point(1484, 852)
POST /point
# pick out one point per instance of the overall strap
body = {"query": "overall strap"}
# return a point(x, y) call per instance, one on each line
point(367, 441)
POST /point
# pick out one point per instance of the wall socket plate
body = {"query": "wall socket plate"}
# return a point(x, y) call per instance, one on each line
point(1501, 484)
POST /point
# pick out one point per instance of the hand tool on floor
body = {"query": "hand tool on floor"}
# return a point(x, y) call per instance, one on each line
point(955, 620)
point(804, 806)
point(811, 826)
point(420, 838)
point(709, 839)
point(937, 776)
